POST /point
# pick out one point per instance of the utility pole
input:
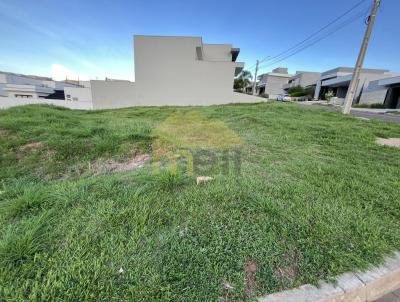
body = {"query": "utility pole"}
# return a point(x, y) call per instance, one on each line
point(357, 69)
point(255, 79)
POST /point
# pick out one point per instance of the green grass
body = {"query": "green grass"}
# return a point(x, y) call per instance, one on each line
point(316, 197)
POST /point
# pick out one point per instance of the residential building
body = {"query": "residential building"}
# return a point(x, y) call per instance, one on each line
point(337, 81)
point(302, 78)
point(28, 91)
point(272, 83)
point(28, 86)
point(385, 91)
point(170, 71)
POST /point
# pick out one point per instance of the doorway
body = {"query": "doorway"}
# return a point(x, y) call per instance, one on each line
point(392, 100)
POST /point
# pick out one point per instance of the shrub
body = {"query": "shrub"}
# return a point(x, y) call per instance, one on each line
point(264, 95)
point(297, 94)
point(296, 91)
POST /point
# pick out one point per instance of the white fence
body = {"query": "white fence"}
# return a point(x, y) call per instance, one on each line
point(8, 102)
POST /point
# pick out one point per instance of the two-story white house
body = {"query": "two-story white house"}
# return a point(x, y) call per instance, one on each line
point(272, 83)
point(169, 70)
point(303, 79)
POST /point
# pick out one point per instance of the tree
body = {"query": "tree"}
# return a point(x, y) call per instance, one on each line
point(242, 80)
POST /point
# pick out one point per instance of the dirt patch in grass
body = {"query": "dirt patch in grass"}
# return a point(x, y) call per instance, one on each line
point(32, 146)
point(100, 167)
point(4, 132)
point(392, 142)
point(289, 270)
point(285, 272)
point(250, 269)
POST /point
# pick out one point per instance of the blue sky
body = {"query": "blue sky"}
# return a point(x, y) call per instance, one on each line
point(93, 39)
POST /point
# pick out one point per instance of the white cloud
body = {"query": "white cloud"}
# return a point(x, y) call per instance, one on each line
point(60, 72)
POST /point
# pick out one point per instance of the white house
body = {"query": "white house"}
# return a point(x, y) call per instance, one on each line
point(303, 79)
point(170, 70)
point(272, 83)
point(28, 86)
point(337, 81)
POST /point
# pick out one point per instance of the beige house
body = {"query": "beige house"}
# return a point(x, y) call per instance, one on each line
point(303, 79)
point(170, 71)
point(272, 83)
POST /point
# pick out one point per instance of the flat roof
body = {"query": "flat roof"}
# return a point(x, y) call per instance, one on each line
point(389, 81)
point(350, 70)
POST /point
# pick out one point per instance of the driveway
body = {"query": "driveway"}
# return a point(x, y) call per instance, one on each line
point(360, 113)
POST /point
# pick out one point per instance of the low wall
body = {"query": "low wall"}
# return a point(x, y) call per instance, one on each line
point(120, 98)
point(114, 94)
point(247, 98)
point(8, 102)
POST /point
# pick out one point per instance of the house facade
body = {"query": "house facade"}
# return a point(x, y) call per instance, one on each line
point(336, 82)
point(302, 78)
point(14, 85)
point(170, 71)
point(272, 83)
point(385, 91)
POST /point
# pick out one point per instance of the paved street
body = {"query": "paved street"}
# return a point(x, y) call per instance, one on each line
point(392, 297)
point(370, 115)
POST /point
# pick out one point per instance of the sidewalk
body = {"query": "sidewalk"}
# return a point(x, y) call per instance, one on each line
point(367, 113)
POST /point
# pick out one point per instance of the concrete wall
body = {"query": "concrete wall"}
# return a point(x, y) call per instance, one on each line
point(217, 52)
point(167, 72)
point(80, 94)
point(373, 93)
point(3, 82)
point(114, 94)
point(274, 86)
point(308, 78)
point(7, 102)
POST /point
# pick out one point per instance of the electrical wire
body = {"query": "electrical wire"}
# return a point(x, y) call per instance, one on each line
point(269, 58)
point(341, 26)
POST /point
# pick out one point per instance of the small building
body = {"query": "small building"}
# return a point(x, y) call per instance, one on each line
point(272, 83)
point(303, 79)
point(336, 82)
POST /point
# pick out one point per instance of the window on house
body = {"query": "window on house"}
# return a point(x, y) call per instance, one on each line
point(199, 53)
point(23, 95)
point(68, 97)
point(74, 99)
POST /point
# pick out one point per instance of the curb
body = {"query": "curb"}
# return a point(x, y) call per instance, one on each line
point(350, 287)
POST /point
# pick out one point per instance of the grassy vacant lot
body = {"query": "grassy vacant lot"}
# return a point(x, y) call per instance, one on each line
point(316, 197)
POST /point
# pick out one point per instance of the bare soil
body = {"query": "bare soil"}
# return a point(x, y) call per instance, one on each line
point(250, 269)
point(138, 161)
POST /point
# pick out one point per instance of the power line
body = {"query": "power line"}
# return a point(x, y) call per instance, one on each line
point(342, 25)
point(315, 33)
point(269, 58)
